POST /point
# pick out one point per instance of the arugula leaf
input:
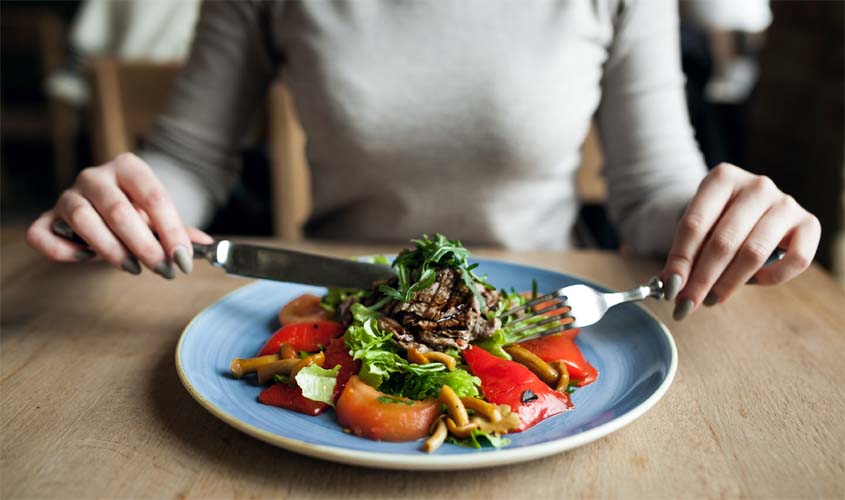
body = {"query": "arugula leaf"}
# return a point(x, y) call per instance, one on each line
point(416, 269)
point(318, 383)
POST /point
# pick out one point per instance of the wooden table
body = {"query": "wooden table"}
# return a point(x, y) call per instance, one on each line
point(92, 406)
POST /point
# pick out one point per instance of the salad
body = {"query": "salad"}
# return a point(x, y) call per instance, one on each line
point(429, 354)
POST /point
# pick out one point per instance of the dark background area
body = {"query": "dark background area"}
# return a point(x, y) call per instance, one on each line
point(792, 128)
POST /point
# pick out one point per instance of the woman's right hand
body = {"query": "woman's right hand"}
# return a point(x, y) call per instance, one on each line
point(115, 208)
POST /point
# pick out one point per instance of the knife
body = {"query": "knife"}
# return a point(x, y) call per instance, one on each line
point(278, 264)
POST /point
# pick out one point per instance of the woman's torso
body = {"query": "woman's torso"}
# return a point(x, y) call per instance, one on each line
point(458, 117)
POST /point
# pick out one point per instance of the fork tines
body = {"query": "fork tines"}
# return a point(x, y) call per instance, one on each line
point(533, 302)
point(556, 322)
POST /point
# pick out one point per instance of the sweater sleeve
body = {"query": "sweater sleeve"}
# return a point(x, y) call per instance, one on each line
point(652, 162)
point(193, 145)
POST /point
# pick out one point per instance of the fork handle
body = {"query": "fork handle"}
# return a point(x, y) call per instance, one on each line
point(654, 288)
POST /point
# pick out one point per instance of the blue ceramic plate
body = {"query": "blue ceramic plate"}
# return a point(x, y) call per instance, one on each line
point(633, 351)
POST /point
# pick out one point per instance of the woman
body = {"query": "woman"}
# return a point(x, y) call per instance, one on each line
point(459, 117)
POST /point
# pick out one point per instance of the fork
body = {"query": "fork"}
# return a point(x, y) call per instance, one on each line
point(577, 306)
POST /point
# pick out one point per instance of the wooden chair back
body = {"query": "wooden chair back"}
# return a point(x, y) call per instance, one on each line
point(127, 96)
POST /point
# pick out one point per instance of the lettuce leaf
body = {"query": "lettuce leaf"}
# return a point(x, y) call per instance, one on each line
point(385, 369)
point(318, 383)
point(427, 385)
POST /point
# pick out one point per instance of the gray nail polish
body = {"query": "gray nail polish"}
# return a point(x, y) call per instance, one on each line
point(62, 228)
point(183, 260)
point(131, 265)
point(165, 270)
point(672, 287)
point(682, 309)
point(84, 254)
point(711, 300)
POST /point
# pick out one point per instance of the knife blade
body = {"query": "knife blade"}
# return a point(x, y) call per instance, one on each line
point(281, 264)
point(278, 264)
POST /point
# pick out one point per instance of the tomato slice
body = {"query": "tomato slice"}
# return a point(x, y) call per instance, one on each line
point(509, 383)
point(289, 396)
point(338, 354)
point(562, 348)
point(303, 309)
point(372, 414)
point(310, 337)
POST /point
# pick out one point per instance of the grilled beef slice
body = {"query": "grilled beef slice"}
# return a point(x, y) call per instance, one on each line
point(444, 315)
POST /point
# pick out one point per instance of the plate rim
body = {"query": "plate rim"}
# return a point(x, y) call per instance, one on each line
point(434, 462)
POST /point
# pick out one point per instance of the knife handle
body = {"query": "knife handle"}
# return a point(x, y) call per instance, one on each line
point(63, 229)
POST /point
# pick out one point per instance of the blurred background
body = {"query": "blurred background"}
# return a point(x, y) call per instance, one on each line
point(82, 80)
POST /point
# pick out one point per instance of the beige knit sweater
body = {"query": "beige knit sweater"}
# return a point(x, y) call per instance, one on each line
point(457, 116)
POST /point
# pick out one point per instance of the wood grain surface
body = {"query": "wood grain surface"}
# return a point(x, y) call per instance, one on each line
point(92, 406)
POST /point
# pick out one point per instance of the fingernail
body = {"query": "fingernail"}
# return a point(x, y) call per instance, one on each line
point(183, 260)
point(682, 309)
point(62, 228)
point(165, 270)
point(131, 266)
point(672, 287)
point(711, 300)
point(84, 254)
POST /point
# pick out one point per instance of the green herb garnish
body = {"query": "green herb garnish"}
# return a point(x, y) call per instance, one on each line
point(336, 296)
point(416, 269)
point(480, 439)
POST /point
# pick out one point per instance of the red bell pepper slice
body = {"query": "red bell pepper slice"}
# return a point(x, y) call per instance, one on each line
point(338, 354)
point(562, 348)
point(310, 337)
point(289, 396)
point(510, 383)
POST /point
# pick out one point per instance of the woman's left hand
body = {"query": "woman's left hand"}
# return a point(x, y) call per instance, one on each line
point(731, 226)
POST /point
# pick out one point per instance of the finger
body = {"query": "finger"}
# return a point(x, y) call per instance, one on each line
point(137, 179)
point(199, 236)
point(724, 242)
point(144, 216)
point(801, 246)
point(194, 234)
point(41, 238)
point(78, 212)
point(778, 221)
point(714, 194)
point(100, 188)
